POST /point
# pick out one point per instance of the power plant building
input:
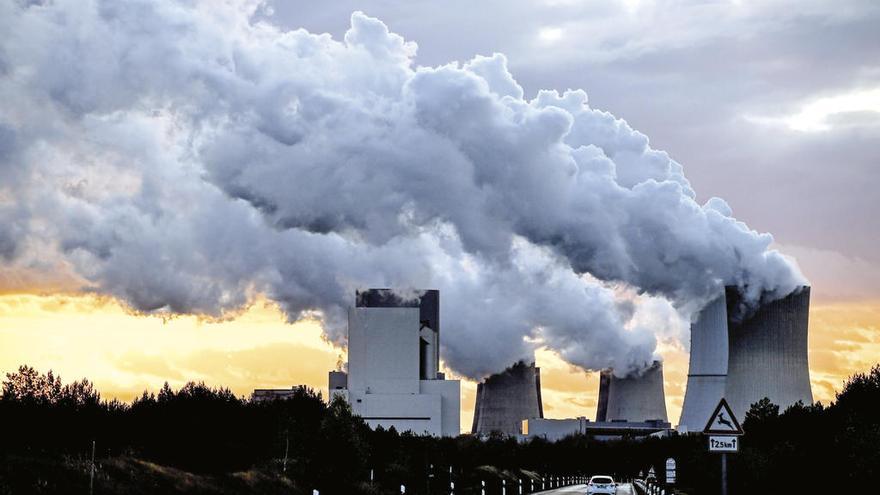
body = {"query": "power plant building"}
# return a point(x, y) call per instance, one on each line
point(270, 394)
point(393, 374)
point(506, 399)
point(632, 406)
point(556, 429)
point(745, 354)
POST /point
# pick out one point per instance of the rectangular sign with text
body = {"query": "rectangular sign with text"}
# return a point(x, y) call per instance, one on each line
point(723, 444)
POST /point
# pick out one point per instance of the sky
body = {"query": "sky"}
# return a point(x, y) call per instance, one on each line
point(772, 106)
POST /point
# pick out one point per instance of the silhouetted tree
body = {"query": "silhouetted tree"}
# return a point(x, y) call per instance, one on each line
point(31, 387)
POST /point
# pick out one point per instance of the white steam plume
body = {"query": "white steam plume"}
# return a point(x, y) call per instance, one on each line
point(187, 157)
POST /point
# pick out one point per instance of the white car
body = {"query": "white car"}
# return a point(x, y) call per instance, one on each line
point(602, 484)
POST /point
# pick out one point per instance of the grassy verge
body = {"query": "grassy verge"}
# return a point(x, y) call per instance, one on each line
point(128, 475)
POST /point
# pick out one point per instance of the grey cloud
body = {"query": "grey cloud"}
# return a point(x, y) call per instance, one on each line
point(8, 241)
point(216, 157)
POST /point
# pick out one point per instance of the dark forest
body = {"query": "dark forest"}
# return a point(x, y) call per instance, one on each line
point(200, 439)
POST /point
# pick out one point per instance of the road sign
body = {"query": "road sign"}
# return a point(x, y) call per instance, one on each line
point(725, 443)
point(722, 421)
point(670, 471)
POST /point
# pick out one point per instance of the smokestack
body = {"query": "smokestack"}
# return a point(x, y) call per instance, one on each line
point(505, 399)
point(638, 397)
point(768, 351)
point(707, 372)
point(604, 383)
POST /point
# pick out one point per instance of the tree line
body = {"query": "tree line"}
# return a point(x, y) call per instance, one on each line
point(311, 444)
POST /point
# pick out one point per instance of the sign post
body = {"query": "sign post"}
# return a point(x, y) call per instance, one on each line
point(670, 471)
point(723, 431)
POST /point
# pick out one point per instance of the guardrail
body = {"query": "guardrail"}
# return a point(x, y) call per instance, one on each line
point(648, 488)
point(519, 487)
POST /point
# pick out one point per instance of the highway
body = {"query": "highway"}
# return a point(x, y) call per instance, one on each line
point(622, 489)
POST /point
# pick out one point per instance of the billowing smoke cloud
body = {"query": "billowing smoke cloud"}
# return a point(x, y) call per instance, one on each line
point(187, 157)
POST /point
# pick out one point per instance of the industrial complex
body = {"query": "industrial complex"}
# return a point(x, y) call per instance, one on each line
point(633, 406)
point(742, 352)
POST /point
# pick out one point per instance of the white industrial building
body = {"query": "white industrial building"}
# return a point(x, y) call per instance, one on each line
point(393, 374)
point(554, 430)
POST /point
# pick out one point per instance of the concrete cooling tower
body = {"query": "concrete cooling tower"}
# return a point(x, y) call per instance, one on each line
point(636, 398)
point(768, 352)
point(505, 399)
point(707, 373)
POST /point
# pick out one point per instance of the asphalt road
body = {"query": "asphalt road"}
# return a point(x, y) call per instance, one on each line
point(622, 489)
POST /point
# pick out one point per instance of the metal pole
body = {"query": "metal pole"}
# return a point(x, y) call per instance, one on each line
point(723, 474)
point(451, 484)
point(286, 446)
point(92, 475)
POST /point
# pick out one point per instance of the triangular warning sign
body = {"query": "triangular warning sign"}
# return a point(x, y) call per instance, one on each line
point(722, 421)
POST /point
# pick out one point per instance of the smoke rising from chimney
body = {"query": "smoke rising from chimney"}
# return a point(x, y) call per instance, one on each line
point(187, 158)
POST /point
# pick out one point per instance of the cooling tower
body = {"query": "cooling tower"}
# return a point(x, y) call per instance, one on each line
point(637, 397)
point(505, 399)
point(707, 372)
point(768, 352)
